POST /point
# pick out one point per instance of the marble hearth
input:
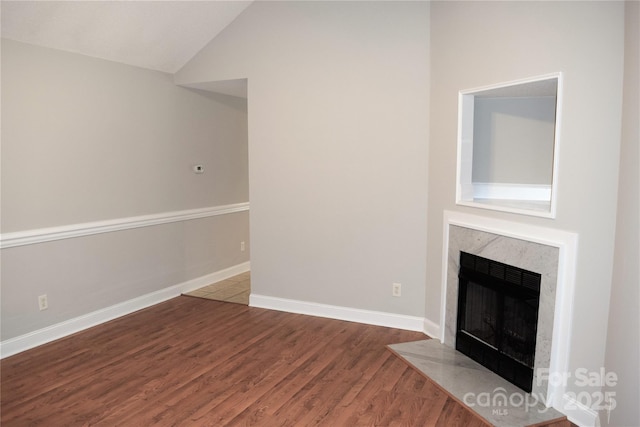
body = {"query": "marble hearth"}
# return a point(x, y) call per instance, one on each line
point(494, 399)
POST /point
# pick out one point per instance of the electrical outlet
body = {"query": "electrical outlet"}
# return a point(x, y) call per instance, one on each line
point(43, 304)
point(396, 289)
point(241, 246)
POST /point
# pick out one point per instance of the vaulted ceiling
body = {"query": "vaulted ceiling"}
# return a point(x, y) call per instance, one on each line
point(158, 35)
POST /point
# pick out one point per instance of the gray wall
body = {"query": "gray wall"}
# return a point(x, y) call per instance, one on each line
point(476, 44)
point(513, 140)
point(87, 140)
point(338, 129)
point(86, 274)
point(623, 340)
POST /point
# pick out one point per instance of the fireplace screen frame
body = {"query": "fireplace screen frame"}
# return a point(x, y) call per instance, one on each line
point(500, 281)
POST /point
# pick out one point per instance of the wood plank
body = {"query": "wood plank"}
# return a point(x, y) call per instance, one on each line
point(192, 361)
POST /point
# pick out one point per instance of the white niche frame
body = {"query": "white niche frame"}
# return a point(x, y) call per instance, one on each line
point(525, 199)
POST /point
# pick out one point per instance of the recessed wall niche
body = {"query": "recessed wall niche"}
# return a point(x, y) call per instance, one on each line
point(508, 144)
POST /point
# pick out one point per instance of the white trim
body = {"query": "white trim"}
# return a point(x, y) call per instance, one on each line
point(578, 413)
point(466, 190)
point(531, 233)
point(40, 235)
point(567, 244)
point(549, 76)
point(51, 333)
point(445, 269)
point(378, 318)
point(556, 144)
point(432, 329)
point(521, 207)
point(507, 191)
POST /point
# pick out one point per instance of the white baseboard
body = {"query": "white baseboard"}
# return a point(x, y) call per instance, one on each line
point(432, 329)
point(51, 333)
point(378, 318)
point(578, 413)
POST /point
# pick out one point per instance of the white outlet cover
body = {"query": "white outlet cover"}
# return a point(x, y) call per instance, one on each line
point(397, 289)
point(42, 302)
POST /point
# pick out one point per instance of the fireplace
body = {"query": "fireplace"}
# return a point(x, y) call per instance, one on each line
point(549, 252)
point(498, 317)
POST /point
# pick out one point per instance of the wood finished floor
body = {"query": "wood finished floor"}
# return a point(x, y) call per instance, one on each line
point(197, 362)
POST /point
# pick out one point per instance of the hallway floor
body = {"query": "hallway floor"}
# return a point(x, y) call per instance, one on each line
point(235, 289)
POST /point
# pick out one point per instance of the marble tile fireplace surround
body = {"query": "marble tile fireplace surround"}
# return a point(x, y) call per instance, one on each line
point(549, 252)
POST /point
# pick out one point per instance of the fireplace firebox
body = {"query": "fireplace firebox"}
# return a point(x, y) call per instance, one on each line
point(498, 317)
